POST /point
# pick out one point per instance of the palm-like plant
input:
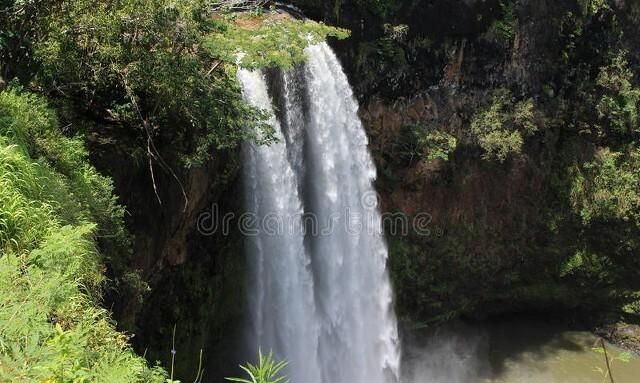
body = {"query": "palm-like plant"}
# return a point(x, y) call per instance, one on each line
point(267, 370)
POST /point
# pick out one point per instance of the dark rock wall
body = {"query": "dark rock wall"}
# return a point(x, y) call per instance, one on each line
point(500, 232)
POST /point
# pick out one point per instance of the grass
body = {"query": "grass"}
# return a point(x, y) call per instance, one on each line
point(53, 206)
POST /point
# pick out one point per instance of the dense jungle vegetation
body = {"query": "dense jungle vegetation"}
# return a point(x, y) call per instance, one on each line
point(530, 164)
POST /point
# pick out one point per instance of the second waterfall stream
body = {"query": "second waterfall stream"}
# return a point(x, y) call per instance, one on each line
point(320, 295)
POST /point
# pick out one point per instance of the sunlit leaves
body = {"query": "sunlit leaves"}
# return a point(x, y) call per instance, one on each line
point(501, 127)
point(266, 40)
point(608, 187)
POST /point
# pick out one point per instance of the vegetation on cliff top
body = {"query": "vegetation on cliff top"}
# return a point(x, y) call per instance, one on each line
point(155, 67)
point(266, 39)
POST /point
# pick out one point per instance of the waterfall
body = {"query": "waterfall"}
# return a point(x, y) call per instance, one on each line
point(282, 297)
point(320, 295)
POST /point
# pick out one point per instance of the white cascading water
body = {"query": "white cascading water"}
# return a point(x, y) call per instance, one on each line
point(320, 295)
point(282, 296)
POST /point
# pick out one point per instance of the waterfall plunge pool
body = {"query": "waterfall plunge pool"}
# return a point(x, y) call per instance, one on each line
point(511, 351)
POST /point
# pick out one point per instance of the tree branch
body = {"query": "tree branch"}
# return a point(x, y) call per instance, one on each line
point(606, 358)
point(152, 151)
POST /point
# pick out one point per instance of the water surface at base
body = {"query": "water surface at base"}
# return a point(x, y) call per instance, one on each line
point(514, 351)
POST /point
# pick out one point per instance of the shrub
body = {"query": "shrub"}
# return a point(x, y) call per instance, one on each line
point(500, 128)
point(434, 144)
point(608, 187)
point(619, 104)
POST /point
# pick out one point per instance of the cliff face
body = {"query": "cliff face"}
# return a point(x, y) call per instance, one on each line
point(500, 232)
point(191, 274)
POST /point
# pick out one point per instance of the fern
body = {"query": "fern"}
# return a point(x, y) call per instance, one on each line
point(267, 370)
point(52, 206)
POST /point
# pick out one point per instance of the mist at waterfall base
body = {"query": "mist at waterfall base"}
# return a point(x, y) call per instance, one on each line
point(323, 302)
point(510, 350)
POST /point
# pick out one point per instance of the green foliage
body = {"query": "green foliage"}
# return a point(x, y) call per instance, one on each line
point(586, 265)
point(605, 196)
point(24, 217)
point(409, 269)
point(62, 169)
point(383, 58)
point(524, 117)
point(141, 64)
point(619, 106)
point(53, 205)
point(572, 264)
point(267, 370)
point(433, 144)
point(500, 128)
point(266, 40)
point(20, 27)
point(504, 28)
point(592, 7)
point(499, 144)
point(52, 330)
point(571, 32)
point(608, 187)
point(24, 117)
